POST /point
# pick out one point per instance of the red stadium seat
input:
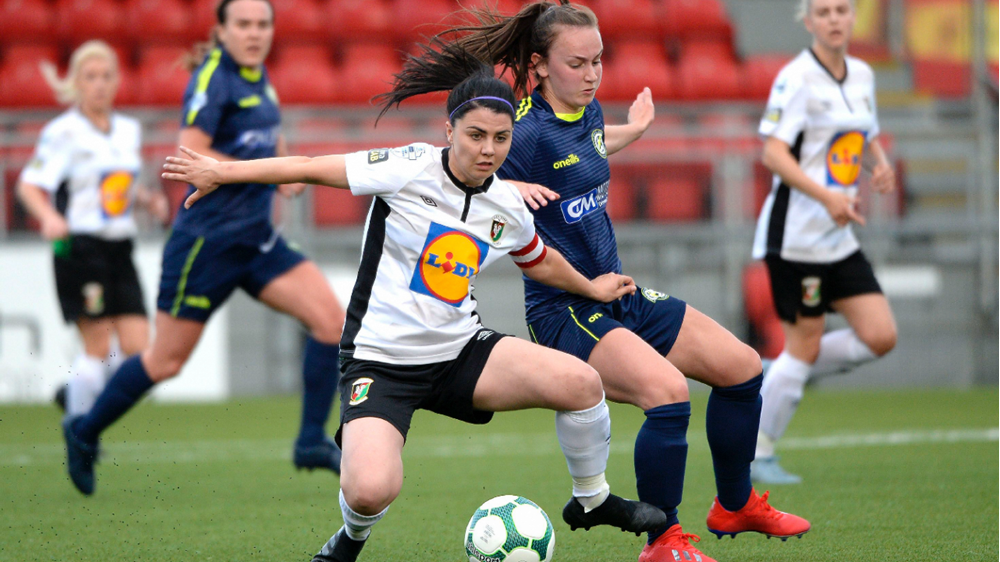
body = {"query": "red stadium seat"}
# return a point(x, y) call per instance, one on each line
point(162, 78)
point(79, 20)
point(695, 18)
point(415, 19)
point(621, 199)
point(25, 21)
point(627, 18)
point(675, 199)
point(705, 74)
point(128, 85)
point(337, 207)
point(299, 21)
point(359, 20)
point(759, 304)
point(304, 74)
point(202, 19)
point(21, 81)
point(505, 7)
point(367, 71)
point(633, 66)
point(160, 21)
point(759, 72)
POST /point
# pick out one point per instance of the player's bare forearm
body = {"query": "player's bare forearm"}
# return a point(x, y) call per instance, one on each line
point(617, 137)
point(35, 201)
point(875, 156)
point(779, 160)
point(323, 170)
point(556, 272)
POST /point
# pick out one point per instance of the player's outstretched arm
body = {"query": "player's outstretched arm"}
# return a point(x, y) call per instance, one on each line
point(640, 117)
point(207, 174)
point(555, 271)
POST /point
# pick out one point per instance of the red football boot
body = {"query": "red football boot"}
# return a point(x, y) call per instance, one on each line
point(674, 546)
point(756, 516)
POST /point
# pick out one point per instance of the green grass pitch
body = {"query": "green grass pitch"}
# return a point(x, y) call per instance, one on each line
point(889, 476)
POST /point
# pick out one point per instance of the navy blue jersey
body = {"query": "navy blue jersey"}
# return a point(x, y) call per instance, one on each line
point(238, 107)
point(565, 153)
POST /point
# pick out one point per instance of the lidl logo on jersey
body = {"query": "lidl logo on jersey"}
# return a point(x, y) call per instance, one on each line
point(575, 209)
point(843, 159)
point(115, 198)
point(448, 262)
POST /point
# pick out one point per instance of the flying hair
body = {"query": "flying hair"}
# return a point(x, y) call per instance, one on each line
point(65, 88)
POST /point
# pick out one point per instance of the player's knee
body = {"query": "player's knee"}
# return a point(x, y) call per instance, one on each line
point(327, 328)
point(750, 365)
point(882, 341)
point(584, 386)
point(669, 391)
point(369, 496)
point(160, 370)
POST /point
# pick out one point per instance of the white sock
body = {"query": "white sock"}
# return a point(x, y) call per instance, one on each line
point(585, 439)
point(780, 393)
point(86, 384)
point(840, 351)
point(358, 526)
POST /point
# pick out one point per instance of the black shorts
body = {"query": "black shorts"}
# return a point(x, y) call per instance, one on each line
point(95, 278)
point(372, 389)
point(810, 288)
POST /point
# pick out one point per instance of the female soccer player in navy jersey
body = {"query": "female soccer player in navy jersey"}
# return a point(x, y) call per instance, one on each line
point(88, 160)
point(646, 344)
point(412, 338)
point(804, 233)
point(231, 113)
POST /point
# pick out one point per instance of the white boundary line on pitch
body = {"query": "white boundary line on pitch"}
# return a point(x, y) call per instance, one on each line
point(447, 446)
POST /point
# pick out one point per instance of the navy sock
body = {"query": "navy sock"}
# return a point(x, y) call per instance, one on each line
point(320, 373)
point(660, 456)
point(123, 391)
point(731, 422)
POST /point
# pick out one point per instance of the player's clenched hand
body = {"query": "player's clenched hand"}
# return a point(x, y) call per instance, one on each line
point(200, 171)
point(54, 227)
point(612, 286)
point(841, 208)
point(536, 196)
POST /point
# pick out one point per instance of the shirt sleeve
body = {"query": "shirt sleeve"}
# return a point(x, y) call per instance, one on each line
point(384, 171)
point(50, 165)
point(206, 96)
point(518, 164)
point(530, 250)
point(786, 112)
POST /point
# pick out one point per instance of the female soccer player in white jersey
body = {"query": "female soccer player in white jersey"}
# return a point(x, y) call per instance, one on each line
point(820, 131)
point(81, 186)
point(412, 338)
point(644, 345)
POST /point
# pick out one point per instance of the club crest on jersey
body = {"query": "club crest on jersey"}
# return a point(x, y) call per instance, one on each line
point(448, 262)
point(359, 391)
point(575, 209)
point(653, 296)
point(843, 159)
point(811, 295)
point(114, 193)
point(496, 229)
point(597, 137)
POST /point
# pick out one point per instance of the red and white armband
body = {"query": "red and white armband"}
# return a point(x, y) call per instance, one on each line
point(530, 255)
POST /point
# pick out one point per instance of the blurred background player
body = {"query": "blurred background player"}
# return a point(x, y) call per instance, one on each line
point(820, 128)
point(644, 345)
point(230, 113)
point(81, 186)
point(413, 339)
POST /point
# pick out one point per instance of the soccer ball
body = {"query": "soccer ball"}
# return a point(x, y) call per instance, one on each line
point(509, 529)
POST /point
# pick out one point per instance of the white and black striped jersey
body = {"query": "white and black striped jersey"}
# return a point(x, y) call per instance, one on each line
point(427, 237)
point(828, 124)
point(90, 173)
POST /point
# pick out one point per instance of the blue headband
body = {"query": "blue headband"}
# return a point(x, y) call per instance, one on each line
point(481, 98)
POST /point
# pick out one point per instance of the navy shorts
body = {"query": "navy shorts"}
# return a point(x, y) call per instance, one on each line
point(372, 389)
point(653, 316)
point(200, 273)
point(810, 289)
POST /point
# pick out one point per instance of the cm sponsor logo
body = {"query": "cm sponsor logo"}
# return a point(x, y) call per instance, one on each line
point(575, 209)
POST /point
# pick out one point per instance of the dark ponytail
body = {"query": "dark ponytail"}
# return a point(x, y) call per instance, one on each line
point(444, 66)
point(511, 40)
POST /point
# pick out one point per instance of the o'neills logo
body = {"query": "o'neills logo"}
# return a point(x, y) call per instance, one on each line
point(569, 161)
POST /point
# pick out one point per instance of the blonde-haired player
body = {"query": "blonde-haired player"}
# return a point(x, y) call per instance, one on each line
point(821, 129)
point(81, 186)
